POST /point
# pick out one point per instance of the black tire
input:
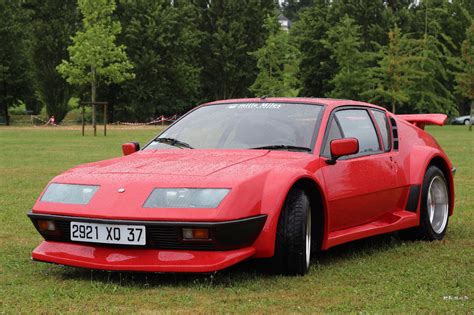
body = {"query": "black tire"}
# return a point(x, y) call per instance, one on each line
point(425, 230)
point(290, 246)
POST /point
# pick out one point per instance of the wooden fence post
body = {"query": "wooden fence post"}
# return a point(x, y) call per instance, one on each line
point(83, 122)
point(105, 119)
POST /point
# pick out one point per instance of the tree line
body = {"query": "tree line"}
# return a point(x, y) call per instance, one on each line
point(406, 55)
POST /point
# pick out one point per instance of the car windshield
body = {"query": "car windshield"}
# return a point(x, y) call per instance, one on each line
point(243, 126)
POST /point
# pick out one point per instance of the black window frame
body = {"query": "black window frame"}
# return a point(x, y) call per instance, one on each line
point(328, 130)
point(357, 155)
point(387, 125)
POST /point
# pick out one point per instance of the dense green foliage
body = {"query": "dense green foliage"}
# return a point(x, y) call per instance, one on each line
point(417, 78)
point(405, 55)
point(345, 43)
point(316, 66)
point(53, 22)
point(15, 62)
point(163, 48)
point(277, 62)
point(231, 30)
point(290, 8)
point(394, 76)
point(465, 78)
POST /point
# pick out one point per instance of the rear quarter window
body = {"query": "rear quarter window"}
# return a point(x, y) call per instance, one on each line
point(382, 122)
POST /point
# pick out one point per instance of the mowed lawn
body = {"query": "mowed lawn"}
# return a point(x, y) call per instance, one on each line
point(378, 275)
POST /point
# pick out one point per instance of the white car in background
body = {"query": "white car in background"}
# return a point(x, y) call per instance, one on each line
point(461, 120)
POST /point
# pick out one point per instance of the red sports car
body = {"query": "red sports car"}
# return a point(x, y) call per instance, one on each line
point(276, 178)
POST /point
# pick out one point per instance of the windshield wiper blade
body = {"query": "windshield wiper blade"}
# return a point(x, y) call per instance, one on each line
point(282, 147)
point(174, 142)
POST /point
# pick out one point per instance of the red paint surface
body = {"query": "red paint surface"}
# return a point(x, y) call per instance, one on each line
point(420, 120)
point(341, 147)
point(129, 148)
point(154, 260)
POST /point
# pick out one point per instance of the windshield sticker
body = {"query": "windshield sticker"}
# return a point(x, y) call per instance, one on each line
point(356, 118)
point(255, 106)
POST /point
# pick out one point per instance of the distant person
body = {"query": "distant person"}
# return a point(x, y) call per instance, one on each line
point(51, 121)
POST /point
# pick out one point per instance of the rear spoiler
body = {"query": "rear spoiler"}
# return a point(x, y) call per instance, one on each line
point(420, 120)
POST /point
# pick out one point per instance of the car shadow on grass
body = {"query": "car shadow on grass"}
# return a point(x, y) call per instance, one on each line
point(246, 271)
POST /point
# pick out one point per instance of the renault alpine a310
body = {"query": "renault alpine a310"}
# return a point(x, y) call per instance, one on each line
point(276, 178)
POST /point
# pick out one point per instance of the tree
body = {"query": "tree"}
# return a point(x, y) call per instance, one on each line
point(372, 18)
point(15, 61)
point(94, 56)
point(395, 74)
point(433, 91)
point(53, 24)
point(231, 30)
point(430, 93)
point(344, 42)
point(163, 40)
point(465, 79)
point(447, 20)
point(316, 65)
point(277, 62)
point(291, 8)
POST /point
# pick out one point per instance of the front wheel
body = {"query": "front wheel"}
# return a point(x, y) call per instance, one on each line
point(434, 208)
point(293, 238)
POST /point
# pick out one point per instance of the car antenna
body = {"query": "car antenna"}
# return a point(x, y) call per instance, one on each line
point(263, 97)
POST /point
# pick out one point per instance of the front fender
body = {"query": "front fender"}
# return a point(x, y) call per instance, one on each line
point(277, 187)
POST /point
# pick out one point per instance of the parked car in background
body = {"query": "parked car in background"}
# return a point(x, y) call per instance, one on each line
point(276, 178)
point(461, 120)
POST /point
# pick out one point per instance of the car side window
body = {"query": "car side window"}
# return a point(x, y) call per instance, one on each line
point(382, 122)
point(356, 123)
point(333, 133)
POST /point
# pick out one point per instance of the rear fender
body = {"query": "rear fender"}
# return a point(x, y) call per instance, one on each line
point(421, 158)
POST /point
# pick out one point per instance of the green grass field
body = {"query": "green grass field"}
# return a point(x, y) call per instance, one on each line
point(377, 275)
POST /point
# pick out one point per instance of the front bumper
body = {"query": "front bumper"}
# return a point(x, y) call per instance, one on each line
point(144, 260)
point(224, 235)
point(165, 250)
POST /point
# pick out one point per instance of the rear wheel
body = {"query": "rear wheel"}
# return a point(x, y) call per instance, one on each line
point(434, 208)
point(293, 238)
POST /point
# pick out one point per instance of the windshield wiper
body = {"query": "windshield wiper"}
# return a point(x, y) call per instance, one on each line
point(282, 147)
point(174, 142)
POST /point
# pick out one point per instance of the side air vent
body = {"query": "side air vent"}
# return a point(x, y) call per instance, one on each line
point(394, 133)
point(413, 198)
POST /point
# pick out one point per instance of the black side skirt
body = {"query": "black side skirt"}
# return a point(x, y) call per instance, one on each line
point(413, 198)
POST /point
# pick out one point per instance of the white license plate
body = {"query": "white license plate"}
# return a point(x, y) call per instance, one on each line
point(108, 233)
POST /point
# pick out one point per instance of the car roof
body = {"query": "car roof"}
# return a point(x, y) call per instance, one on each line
point(329, 102)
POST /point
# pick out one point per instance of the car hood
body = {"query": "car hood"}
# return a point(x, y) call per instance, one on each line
point(176, 162)
point(126, 182)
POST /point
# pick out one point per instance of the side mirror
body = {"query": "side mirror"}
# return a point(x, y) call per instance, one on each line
point(343, 147)
point(130, 147)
